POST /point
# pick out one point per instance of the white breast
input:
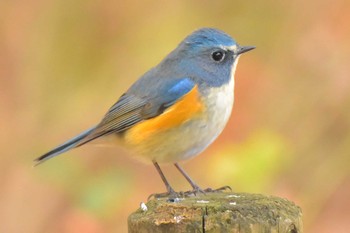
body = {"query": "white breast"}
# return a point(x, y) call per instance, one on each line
point(220, 103)
point(202, 132)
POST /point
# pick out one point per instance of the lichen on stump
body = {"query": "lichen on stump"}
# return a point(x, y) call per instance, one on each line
point(218, 212)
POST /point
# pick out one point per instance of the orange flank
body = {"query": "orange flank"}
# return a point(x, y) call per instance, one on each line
point(184, 109)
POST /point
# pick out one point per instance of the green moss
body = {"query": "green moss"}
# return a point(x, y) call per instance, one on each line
point(218, 212)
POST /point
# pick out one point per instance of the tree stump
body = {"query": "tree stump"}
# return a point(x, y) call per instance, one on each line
point(217, 212)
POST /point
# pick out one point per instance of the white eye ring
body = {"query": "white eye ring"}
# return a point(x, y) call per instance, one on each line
point(218, 55)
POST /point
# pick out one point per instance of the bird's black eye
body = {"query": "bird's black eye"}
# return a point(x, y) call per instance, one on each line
point(218, 55)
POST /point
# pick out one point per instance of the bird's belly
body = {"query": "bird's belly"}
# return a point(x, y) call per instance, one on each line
point(190, 137)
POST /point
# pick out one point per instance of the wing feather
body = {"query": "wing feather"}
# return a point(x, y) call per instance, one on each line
point(131, 109)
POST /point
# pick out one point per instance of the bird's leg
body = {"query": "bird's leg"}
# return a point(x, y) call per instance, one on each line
point(170, 191)
point(196, 188)
point(167, 185)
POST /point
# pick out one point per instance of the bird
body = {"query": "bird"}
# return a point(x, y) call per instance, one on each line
point(175, 110)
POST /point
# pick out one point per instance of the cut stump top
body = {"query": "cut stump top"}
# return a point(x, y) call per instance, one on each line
point(218, 212)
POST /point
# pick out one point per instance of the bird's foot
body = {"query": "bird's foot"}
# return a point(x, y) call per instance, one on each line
point(170, 194)
point(194, 192)
point(176, 196)
point(198, 191)
point(221, 189)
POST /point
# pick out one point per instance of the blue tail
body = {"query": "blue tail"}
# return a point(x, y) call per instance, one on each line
point(70, 144)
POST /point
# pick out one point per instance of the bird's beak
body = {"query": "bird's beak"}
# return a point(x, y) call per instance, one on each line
point(243, 49)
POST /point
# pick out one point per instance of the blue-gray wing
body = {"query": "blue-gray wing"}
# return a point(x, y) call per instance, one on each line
point(138, 105)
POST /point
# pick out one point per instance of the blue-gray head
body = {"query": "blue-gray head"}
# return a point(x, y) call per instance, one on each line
point(207, 55)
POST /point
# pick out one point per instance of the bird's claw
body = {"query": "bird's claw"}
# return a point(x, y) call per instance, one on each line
point(174, 196)
point(170, 195)
point(221, 189)
point(198, 191)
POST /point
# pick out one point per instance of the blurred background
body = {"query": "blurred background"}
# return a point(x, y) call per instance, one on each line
point(64, 63)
